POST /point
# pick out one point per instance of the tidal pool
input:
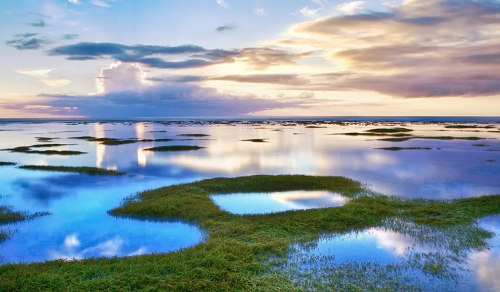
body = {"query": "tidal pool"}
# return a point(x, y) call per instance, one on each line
point(272, 202)
point(401, 256)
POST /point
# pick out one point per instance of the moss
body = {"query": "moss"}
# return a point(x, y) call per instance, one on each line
point(404, 148)
point(255, 140)
point(174, 148)
point(389, 130)
point(4, 163)
point(80, 169)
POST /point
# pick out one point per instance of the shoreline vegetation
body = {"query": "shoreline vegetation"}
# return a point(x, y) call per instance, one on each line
point(7, 215)
point(404, 148)
point(7, 163)
point(174, 148)
point(116, 141)
point(250, 252)
point(76, 169)
point(255, 140)
point(27, 149)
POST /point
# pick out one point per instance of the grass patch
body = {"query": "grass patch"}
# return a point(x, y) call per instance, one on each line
point(235, 256)
point(174, 148)
point(468, 127)
point(389, 130)
point(402, 139)
point(80, 169)
point(7, 215)
point(255, 140)
point(27, 149)
point(5, 163)
point(315, 127)
point(480, 145)
point(193, 135)
point(490, 160)
point(45, 139)
point(404, 148)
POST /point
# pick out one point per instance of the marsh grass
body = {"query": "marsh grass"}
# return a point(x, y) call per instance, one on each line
point(174, 148)
point(316, 127)
point(389, 130)
point(7, 215)
point(115, 141)
point(193, 135)
point(236, 253)
point(27, 149)
point(402, 139)
point(45, 139)
point(404, 148)
point(255, 140)
point(80, 169)
point(468, 127)
point(480, 145)
point(5, 163)
point(490, 160)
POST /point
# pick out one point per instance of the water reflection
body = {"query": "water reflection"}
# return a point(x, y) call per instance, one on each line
point(263, 203)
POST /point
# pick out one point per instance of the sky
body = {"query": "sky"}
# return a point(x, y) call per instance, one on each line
point(249, 58)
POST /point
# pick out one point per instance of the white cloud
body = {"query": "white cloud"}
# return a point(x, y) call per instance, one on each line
point(43, 76)
point(261, 12)
point(100, 3)
point(320, 2)
point(351, 7)
point(119, 76)
point(223, 3)
point(309, 12)
point(77, 2)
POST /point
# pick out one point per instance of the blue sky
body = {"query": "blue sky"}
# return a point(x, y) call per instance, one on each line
point(259, 57)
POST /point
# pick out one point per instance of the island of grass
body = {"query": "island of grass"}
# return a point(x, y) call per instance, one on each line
point(193, 135)
point(241, 252)
point(389, 130)
point(404, 148)
point(402, 139)
point(45, 139)
point(468, 127)
point(77, 169)
point(255, 140)
point(480, 145)
point(174, 148)
point(27, 149)
point(6, 163)
point(315, 127)
point(7, 215)
point(115, 142)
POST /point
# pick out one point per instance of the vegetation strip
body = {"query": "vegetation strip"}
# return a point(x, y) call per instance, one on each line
point(255, 140)
point(79, 169)
point(173, 148)
point(404, 148)
point(389, 130)
point(5, 163)
point(7, 215)
point(402, 139)
point(236, 255)
point(27, 149)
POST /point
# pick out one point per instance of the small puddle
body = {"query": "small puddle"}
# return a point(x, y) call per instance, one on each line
point(264, 203)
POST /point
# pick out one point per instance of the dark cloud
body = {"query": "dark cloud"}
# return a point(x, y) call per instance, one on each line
point(225, 27)
point(195, 56)
point(27, 41)
point(38, 23)
point(165, 100)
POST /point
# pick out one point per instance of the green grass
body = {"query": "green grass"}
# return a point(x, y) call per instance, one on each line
point(79, 169)
point(193, 135)
point(402, 139)
point(255, 140)
point(5, 163)
point(27, 149)
point(236, 253)
point(389, 130)
point(7, 215)
point(45, 139)
point(404, 148)
point(174, 148)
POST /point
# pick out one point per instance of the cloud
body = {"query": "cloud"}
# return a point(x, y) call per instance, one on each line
point(281, 79)
point(120, 77)
point(27, 41)
point(38, 23)
point(309, 12)
point(27, 14)
point(223, 3)
point(100, 3)
point(430, 48)
point(260, 12)
point(351, 7)
point(195, 56)
point(70, 36)
point(77, 2)
point(43, 76)
point(225, 27)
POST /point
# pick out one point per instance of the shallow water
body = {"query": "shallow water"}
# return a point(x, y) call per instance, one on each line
point(80, 227)
point(264, 203)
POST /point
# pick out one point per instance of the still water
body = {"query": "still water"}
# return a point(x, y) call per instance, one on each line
point(79, 226)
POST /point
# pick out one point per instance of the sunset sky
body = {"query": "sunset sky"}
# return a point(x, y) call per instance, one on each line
point(237, 58)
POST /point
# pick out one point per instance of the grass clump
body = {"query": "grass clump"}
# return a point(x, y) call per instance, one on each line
point(236, 253)
point(402, 139)
point(27, 149)
point(255, 140)
point(389, 130)
point(468, 127)
point(404, 148)
point(315, 127)
point(45, 139)
point(480, 145)
point(193, 135)
point(79, 169)
point(6, 163)
point(7, 215)
point(174, 148)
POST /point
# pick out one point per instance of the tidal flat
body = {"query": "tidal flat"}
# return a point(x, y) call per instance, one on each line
point(332, 212)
